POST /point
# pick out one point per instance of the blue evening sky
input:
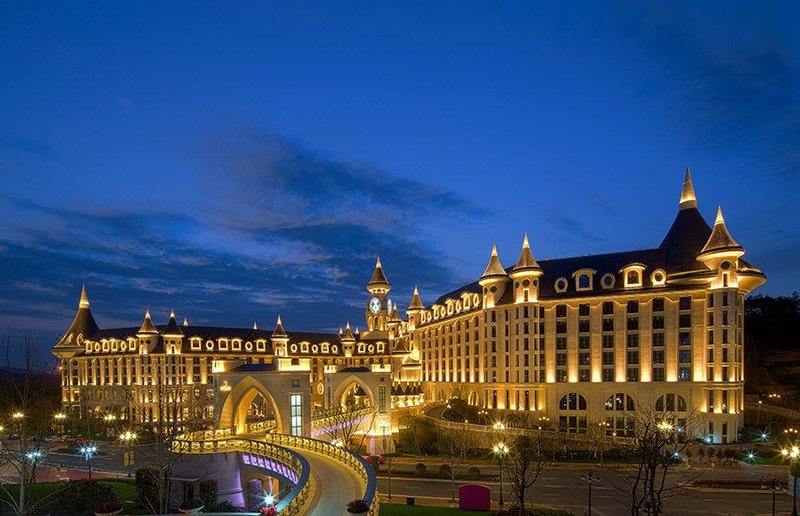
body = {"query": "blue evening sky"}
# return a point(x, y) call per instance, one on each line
point(236, 160)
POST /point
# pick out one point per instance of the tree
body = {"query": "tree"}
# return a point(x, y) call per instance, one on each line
point(523, 466)
point(597, 439)
point(342, 421)
point(29, 399)
point(454, 445)
point(166, 410)
point(661, 438)
point(418, 434)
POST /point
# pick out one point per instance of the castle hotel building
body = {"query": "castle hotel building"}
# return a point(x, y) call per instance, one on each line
point(577, 341)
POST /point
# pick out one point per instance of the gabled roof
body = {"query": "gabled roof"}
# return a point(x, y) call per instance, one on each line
point(720, 239)
point(83, 324)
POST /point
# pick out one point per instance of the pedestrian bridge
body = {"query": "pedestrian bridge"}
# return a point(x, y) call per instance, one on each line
point(324, 477)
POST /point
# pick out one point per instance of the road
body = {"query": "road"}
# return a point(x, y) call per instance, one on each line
point(563, 489)
point(335, 485)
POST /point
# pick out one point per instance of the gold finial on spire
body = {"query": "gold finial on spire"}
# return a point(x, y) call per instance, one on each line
point(255, 325)
point(84, 302)
point(720, 219)
point(186, 321)
point(688, 198)
point(526, 259)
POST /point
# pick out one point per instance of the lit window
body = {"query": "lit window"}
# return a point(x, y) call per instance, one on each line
point(297, 414)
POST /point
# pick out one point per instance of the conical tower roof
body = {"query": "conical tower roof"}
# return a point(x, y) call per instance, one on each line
point(720, 239)
point(378, 277)
point(147, 324)
point(83, 324)
point(172, 328)
point(279, 331)
point(494, 268)
point(185, 322)
point(416, 301)
point(688, 234)
point(395, 317)
point(688, 198)
point(526, 260)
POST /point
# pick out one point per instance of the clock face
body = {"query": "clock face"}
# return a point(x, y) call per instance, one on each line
point(375, 305)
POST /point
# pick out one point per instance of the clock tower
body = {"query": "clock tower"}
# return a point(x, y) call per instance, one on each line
point(378, 306)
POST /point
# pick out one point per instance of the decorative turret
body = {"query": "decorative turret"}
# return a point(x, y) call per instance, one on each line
point(348, 334)
point(721, 240)
point(185, 322)
point(525, 275)
point(493, 281)
point(147, 328)
point(83, 326)
point(348, 341)
point(414, 309)
point(416, 302)
point(173, 335)
point(172, 329)
point(688, 233)
point(279, 339)
point(378, 285)
point(688, 199)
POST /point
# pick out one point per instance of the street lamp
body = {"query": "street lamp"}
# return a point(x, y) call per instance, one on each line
point(88, 451)
point(18, 415)
point(792, 454)
point(775, 485)
point(128, 437)
point(499, 426)
point(500, 450)
point(590, 477)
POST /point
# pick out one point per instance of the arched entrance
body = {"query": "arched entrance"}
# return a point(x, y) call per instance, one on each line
point(473, 399)
point(247, 402)
point(354, 390)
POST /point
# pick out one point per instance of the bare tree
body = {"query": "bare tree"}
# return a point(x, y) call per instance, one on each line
point(342, 421)
point(29, 397)
point(166, 410)
point(661, 438)
point(454, 445)
point(523, 465)
point(597, 439)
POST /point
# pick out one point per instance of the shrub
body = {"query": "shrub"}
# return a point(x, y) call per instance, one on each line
point(208, 492)
point(191, 503)
point(421, 469)
point(147, 487)
point(445, 470)
point(108, 506)
point(357, 506)
point(474, 472)
point(81, 497)
point(224, 506)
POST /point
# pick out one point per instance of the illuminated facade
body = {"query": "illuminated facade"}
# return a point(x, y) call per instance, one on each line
point(579, 341)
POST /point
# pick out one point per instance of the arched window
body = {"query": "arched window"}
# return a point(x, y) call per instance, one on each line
point(619, 416)
point(584, 282)
point(572, 417)
point(633, 278)
point(671, 402)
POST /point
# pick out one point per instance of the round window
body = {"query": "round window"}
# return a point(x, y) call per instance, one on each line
point(536, 283)
point(608, 280)
point(526, 283)
point(561, 284)
point(493, 289)
point(658, 277)
point(725, 265)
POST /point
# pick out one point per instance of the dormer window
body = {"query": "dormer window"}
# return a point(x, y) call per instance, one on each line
point(658, 278)
point(584, 279)
point(561, 285)
point(632, 274)
point(608, 280)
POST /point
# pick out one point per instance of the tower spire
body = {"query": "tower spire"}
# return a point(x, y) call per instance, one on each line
point(416, 301)
point(526, 259)
point(688, 198)
point(494, 267)
point(721, 239)
point(84, 302)
point(279, 331)
point(378, 284)
point(147, 324)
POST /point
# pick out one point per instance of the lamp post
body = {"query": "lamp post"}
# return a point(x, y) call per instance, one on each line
point(775, 485)
point(60, 417)
point(88, 451)
point(792, 454)
point(500, 450)
point(128, 437)
point(590, 477)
